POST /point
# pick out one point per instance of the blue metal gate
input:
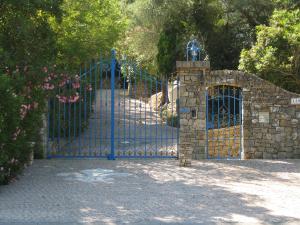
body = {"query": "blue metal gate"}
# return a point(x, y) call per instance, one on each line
point(113, 109)
point(224, 122)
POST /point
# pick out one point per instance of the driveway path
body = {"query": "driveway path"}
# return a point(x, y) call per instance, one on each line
point(138, 131)
point(71, 192)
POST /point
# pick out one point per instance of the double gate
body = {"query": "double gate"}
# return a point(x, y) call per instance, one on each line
point(113, 109)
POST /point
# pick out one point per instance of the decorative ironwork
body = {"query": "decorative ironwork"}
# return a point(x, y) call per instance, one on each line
point(118, 115)
point(193, 50)
point(224, 122)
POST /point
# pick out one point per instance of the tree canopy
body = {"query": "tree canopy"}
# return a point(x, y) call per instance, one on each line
point(26, 37)
point(154, 33)
point(87, 28)
point(230, 32)
point(276, 53)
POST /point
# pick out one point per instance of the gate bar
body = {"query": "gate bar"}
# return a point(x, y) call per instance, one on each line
point(111, 156)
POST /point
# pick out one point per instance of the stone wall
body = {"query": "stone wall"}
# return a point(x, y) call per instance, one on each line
point(271, 124)
point(223, 142)
point(192, 110)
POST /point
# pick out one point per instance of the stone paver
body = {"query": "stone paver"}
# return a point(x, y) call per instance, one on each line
point(153, 192)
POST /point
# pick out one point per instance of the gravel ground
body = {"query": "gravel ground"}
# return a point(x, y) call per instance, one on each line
point(153, 192)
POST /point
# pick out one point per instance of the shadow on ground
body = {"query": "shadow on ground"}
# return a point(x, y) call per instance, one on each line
point(154, 192)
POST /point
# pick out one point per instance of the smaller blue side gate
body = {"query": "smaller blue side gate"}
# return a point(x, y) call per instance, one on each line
point(113, 109)
point(224, 122)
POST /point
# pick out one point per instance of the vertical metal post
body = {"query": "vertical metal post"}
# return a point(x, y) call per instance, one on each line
point(124, 107)
point(90, 107)
point(111, 156)
point(178, 116)
point(100, 105)
point(207, 119)
point(218, 122)
point(145, 109)
point(234, 118)
point(156, 116)
point(228, 114)
point(48, 153)
point(79, 111)
point(69, 130)
point(241, 123)
point(58, 120)
point(212, 139)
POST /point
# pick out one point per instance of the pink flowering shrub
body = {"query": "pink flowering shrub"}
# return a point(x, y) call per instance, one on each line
point(11, 133)
point(23, 95)
point(69, 103)
point(21, 107)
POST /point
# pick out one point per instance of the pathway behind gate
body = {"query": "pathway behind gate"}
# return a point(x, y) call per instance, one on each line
point(153, 192)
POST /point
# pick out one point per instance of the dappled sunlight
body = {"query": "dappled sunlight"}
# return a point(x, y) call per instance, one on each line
point(244, 219)
point(272, 195)
point(258, 185)
point(93, 175)
point(169, 219)
point(158, 192)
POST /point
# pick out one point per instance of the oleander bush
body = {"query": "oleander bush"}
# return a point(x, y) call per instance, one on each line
point(24, 95)
point(70, 103)
point(21, 107)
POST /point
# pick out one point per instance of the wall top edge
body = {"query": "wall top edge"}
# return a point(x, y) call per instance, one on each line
point(197, 64)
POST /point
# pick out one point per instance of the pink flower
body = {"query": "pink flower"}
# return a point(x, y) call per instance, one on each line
point(76, 85)
point(16, 134)
point(62, 83)
point(89, 87)
point(48, 86)
point(23, 111)
point(45, 69)
point(62, 99)
point(74, 98)
point(35, 105)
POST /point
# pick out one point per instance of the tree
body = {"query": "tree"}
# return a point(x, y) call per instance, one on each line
point(25, 35)
point(276, 53)
point(147, 20)
point(87, 27)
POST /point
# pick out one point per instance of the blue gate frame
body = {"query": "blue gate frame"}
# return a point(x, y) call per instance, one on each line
point(112, 110)
point(224, 122)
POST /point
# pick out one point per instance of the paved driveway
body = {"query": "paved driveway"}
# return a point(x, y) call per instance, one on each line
point(153, 192)
point(138, 129)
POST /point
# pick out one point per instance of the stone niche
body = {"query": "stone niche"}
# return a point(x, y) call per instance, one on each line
point(271, 115)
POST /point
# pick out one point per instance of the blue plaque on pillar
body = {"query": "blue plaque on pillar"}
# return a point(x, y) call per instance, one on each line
point(184, 110)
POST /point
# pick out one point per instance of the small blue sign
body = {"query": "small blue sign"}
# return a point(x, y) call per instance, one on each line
point(184, 110)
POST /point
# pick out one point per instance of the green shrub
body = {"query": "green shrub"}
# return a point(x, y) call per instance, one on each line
point(21, 107)
point(171, 118)
point(10, 125)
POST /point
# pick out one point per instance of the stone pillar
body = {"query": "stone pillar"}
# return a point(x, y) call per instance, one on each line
point(192, 112)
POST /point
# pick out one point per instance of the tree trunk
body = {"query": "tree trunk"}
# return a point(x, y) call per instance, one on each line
point(165, 97)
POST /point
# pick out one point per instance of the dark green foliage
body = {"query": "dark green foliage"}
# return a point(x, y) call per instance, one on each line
point(17, 134)
point(173, 121)
point(167, 51)
point(25, 35)
point(275, 55)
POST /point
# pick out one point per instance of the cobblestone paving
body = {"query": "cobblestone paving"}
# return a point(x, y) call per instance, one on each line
point(105, 192)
